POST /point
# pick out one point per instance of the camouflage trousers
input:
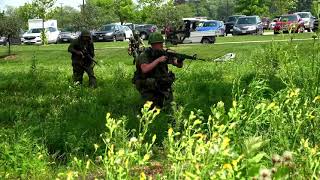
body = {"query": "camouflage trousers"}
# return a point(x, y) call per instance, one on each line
point(78, 71)
point(159, 95)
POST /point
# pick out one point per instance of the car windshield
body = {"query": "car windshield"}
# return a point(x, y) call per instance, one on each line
point(232, 19)
point(288, 18)
point(107, 28)
point(247, 20)
point(304, 15)
point(38, 30)
point(208, 24)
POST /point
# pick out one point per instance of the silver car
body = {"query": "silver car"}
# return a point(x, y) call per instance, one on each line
point(248, 25)
point(308, 20)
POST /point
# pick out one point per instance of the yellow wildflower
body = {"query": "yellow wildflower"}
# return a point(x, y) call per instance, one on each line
point(227, 166)
point(234, 104)
point(142, 176)
point(313, 151)
point(294, 93)
point(225, 142)
point(236, 161)
point(96, 146)
point(305, 143)
point(317, 98)
point(70, 175)
point(148, 104)
point(88, 164)
point(199, 135)
point(146, 157)
point(271, 105)
point(170, 131)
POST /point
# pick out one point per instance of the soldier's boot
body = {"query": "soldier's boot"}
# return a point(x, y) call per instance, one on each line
point(77, 78)
point(92, 78)
point(92, 82)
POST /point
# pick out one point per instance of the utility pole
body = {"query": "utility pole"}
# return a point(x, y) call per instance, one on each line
point(61, 15)
point(227, 8)
point(82, 6)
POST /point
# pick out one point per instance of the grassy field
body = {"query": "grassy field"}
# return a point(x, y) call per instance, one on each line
point(53, 129)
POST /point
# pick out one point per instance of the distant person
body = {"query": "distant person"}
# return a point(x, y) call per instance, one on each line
point(136, 45)
point(82, 50)
point(152, 77)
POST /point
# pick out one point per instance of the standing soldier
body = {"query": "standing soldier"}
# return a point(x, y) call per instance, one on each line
point(152, 78)
point(82, 51)
point(134, 45)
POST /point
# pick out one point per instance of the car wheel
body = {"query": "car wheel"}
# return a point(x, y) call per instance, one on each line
point(301, 29)
point(143, 36)
point(206, 41)
point(276, 32)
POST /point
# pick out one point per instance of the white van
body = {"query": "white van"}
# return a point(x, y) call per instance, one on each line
point(33, 35)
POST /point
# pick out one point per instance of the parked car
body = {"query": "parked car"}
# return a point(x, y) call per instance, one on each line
point(273, 23)
point(33, 36)
point(212, 25)
point(110, 32)
point(230, 23)
point(266, 22)
point(308, 20)
point(248, 25)
point(145, 30)
point(66, 36)
point(3, 41)
point(128, 32)
point(290, 22)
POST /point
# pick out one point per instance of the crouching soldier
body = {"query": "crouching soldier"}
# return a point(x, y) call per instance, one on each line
point(82, 51)
point(152, 77)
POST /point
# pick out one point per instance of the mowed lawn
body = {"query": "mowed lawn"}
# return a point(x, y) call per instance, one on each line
point(36, 89)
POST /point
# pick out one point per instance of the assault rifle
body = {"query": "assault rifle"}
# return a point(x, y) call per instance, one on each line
point(181, 57)
point(88, 58)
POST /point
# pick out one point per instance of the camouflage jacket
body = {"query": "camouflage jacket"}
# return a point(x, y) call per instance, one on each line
point(77, 45)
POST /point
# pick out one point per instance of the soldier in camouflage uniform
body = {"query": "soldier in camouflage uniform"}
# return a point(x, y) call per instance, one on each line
point(80, 49)
point(135, 49)
point(152, 78)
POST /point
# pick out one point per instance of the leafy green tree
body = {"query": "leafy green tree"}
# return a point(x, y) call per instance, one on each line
point(253, 7)
point(23, 13)
point(146, 9)
point(169, 14)
point(316, 8)
point(304, 5)
point(65, 16)
point(42, 9)
point(10, 27)
point(279, 7)
point(123, 9)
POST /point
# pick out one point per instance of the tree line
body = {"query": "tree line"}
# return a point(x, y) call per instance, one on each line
point(95, 13)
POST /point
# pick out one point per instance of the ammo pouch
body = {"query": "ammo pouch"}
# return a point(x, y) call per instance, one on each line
point(154, 84)
point(165, 83)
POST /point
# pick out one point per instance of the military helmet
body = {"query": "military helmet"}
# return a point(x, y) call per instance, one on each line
point(155, 38)
point(85, 33)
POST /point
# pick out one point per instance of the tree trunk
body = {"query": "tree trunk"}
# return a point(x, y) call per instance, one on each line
point(43, 32)
point(9, 48)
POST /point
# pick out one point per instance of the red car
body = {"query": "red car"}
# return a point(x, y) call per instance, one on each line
point(290, 22)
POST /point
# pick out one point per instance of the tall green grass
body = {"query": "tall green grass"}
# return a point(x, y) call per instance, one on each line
point(263, 103)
